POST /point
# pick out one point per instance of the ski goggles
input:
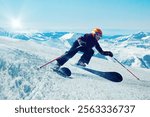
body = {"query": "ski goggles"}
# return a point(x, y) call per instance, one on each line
point(98, 35)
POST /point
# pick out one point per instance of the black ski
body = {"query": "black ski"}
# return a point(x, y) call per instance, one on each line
point(111, 76)
point(63, 71)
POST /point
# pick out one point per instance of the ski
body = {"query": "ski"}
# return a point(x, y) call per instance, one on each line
point(110, 75)
point(63, 71)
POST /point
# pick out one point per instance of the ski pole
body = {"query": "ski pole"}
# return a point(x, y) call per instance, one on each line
point(49, 62)
point(126, 68)
point(58, 58)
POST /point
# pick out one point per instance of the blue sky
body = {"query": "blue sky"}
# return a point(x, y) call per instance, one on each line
point(77, 15)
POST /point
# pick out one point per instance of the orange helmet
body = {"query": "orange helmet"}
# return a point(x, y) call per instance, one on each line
point(97, 30)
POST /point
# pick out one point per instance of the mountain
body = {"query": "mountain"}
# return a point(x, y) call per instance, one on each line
point(132, 50)
point(20, 79)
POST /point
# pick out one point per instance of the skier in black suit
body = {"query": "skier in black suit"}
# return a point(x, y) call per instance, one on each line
point(84, 44)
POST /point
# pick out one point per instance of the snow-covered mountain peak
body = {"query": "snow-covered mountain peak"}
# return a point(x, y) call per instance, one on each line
point(139, 35)
point(66, 36)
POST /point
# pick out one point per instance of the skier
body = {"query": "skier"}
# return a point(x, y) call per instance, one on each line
point(84, 44)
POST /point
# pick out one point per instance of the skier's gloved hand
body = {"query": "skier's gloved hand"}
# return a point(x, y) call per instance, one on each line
point(110, 54)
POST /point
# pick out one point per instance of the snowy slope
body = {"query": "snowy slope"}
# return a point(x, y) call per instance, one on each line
point(19, 78)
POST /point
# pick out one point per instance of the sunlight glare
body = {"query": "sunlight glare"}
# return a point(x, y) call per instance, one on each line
point(16, 23)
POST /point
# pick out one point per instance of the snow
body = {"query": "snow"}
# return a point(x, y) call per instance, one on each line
point(66, 36)
point(20, 79)
point(69, 38)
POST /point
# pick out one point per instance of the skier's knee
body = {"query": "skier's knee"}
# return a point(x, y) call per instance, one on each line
point(91, 52)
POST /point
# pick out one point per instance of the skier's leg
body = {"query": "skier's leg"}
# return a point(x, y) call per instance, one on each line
point(69, 54)
point(86, 57)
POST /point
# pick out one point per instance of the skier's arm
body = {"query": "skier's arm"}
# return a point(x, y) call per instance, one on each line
point(99, 49)
point(106, 53)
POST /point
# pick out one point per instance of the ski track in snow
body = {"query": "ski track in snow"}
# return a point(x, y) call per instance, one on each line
point(20, 79)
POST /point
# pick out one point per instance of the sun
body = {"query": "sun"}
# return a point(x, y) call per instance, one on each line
point(16, 24)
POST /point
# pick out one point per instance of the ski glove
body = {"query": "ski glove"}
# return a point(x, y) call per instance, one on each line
point(108, 53)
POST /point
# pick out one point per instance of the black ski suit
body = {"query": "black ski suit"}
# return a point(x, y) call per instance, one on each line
point(84, 44)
